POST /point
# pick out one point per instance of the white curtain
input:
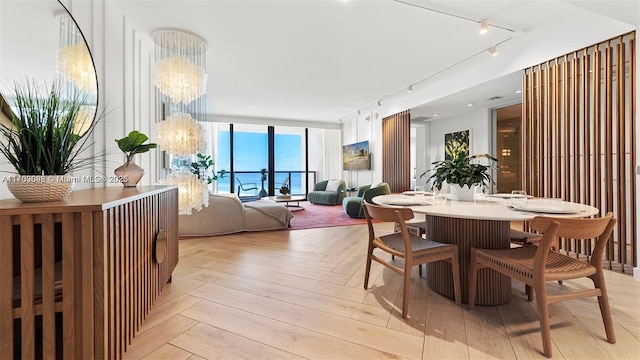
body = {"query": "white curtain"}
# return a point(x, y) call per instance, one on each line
point(332, 160)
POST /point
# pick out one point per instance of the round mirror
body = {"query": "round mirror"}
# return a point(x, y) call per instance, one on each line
point(40, 42)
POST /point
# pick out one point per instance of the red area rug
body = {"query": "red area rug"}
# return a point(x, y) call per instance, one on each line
point(319, 216)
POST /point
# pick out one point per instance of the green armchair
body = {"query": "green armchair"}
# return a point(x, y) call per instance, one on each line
point(352, 205)
point(328, 192)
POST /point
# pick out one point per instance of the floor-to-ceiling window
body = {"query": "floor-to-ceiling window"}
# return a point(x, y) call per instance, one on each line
point(289, 156)
point(259, 159)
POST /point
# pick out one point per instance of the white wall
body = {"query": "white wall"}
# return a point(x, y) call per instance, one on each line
point(366, 126)
point(123, 59)
point(429, 139)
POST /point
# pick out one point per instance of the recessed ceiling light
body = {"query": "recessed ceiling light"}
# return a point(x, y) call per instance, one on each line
point(518, 91)
point(435, 114)
point(471, 104)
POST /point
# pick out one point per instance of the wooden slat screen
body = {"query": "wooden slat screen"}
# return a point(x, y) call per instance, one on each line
point(396, 147)
point(578, 137)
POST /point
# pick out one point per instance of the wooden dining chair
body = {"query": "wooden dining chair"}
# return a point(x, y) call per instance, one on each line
point(535, 265)
point(413, 249)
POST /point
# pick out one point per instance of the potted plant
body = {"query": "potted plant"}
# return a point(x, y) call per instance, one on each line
point(130, 173)
point(44, 140)
point(284, 192)
point(462, 174)
point(201, 166)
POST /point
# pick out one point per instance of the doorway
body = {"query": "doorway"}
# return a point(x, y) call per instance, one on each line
point(509, 148)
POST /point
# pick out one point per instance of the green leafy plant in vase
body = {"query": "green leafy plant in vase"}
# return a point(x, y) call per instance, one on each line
point(130, 173)
point(462, 173)
point(45, 138)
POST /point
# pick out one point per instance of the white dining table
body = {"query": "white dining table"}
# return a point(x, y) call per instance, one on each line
point(483, 223)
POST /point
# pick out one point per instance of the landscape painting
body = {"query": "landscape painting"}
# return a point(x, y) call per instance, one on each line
point(356, 156)
point(456, 142)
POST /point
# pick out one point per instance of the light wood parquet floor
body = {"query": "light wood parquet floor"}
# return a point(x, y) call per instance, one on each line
point(299, 295)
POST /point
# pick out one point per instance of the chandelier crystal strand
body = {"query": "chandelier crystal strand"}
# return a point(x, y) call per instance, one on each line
point(74, 60)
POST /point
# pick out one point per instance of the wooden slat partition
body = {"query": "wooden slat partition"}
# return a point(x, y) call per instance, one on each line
point(396, 151)
point(578, 142)
point(85, 266)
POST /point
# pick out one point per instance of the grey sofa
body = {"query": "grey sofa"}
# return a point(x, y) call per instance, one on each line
point(226, 214)
point(322, 195)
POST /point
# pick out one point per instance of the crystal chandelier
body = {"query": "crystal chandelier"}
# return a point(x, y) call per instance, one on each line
point(179, 68)
point(74, 60)
point(180, 135)
point(181, 81)
point(192, 192)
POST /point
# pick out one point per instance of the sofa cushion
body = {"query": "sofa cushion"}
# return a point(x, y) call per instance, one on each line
point(333, 185)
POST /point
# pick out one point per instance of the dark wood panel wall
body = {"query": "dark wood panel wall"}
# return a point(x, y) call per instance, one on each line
point(396, 148)
point(579, 123)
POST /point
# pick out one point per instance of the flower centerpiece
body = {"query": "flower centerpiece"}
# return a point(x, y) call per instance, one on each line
point(462, 173)
point(130, 173)
point(44, 140)
point(284, 192)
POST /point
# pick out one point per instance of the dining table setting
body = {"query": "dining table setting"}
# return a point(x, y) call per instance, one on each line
point(483, 223)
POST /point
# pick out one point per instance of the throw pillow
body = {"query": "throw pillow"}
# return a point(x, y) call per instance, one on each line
point(333, 185)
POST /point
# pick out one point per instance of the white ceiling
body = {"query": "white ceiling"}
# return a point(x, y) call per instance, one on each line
point(323, 60)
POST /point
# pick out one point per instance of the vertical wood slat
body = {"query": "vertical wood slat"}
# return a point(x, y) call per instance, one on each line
point(101, 234)
point(565, 117)
point(597, 90)
point(69, 291)
point(608, 141)
point(87, 281)
point(6, 282)
point(48, 287)
point(27, 286)
point(632, 161)
point(396, 148)
point(558, 131)
point(592, 158)
point(620, 152)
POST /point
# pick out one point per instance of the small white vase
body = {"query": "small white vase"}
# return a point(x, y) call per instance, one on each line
point(464, 193)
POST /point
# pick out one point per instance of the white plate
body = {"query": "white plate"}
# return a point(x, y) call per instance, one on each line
point(540, 208)
point(412, 193)
point(408, 201)
point(504, 196)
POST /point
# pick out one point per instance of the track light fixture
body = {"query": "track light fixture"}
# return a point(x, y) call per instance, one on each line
point(358, 112)
point(492, 51)
point(410, 90)
point(484, 27)
point(379, 102)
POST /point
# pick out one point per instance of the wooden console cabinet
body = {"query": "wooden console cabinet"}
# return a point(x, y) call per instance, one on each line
point(79, 276)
